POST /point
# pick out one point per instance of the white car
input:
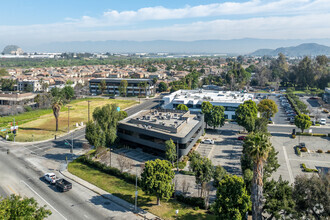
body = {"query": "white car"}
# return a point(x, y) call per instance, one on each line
point(323, 121)
point(50, 177)
point(208, 141)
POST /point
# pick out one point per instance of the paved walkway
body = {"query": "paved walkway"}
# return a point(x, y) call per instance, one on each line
point(140, 212)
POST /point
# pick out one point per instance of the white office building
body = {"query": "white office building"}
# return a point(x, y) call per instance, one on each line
point(193, 99)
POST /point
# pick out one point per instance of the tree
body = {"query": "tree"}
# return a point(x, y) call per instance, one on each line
point(162, 87)
point(44, 86)
point(279, 202)
point(3, 72)
point(232, 200)
point(202, 168)
point(218, 175)
point(170, 151)
point(268, 108)
point(95, 135)
point(217, 116)
point(16, 207)
point(7, 84)
point(29, 88)
point(257, 147)
point(182, 107)
point(246, 115)
point(154, 80)
point(206, 110)
point(56, 106)
point(56, 92)
point(311, 195)
point(102, 86)
point(123, 87)
point(302, 121)
point(122, 115)
point(157, 179)
point(68, 92)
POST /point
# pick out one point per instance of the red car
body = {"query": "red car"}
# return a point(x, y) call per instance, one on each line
point(241, 138)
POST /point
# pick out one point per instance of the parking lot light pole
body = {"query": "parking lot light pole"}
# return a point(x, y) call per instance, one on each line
point(69, 118)
point(88, 109)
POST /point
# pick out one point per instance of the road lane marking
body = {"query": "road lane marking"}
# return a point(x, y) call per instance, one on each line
point(313, 161)
point(43, 199)
point(288, 165)
point(13, 191)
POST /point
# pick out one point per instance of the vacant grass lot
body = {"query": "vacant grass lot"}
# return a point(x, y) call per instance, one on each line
point(126, 191)
point(41, 123)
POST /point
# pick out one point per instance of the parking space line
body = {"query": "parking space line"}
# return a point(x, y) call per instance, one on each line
point(288, 165)
point(13, 191)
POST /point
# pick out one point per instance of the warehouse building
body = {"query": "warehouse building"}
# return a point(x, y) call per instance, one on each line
point(193, 99)
point(150, 129)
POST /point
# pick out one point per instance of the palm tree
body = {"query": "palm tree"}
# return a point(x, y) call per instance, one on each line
point(257, 147)
point(56, 106)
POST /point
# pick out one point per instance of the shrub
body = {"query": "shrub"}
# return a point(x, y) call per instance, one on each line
point(328, 151)
point(298, 152)
point(319, 151)
point(306, 169)
point(27, 108)
point(182, 164)
point(320, 135)
point(293, 136)
point(191, 201)
point(10, 137)
point(198, 141)
point(303, 149)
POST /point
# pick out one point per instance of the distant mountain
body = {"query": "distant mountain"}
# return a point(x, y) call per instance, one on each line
point(307, 49)
point(235, 46)
point(11, 49)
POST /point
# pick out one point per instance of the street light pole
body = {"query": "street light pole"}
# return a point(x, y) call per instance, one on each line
point(136, 191)
point(88, 110)
point(69, 118)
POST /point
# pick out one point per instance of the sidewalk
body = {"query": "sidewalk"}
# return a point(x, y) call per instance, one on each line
point(140, 212)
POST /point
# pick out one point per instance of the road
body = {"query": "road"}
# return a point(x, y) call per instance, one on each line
point(21, 173)
point(147, 104)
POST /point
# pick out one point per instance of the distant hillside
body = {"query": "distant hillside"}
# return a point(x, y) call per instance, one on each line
point(234, 46)
point(307, 49)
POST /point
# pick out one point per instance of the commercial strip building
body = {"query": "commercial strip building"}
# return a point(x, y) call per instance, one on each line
point(193, 99)
point(150, 129)
point(17, 99)
point(112, 86)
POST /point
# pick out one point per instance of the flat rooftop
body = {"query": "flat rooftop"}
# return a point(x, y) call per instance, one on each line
point(199, 96)
point(174, 122)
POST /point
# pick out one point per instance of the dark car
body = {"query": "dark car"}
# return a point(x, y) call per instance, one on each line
point(241, 138)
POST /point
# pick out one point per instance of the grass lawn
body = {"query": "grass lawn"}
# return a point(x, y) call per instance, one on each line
point(126, 191)
point(41, 123)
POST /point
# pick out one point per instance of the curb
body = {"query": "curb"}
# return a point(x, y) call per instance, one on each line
point(116, 202)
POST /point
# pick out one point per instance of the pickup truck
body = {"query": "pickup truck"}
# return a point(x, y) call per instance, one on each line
point(63, 185)
point(50, 177)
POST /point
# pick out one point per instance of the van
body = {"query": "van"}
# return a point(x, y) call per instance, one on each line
point(323, 121)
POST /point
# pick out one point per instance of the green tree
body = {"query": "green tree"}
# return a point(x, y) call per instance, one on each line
point(29, 88)
point(44, 86)
point(279, 203)
point(56, 92)
point(16, 207)
point(154, 80)
point(232, 200)
point(202, 168)
point(68, 92)
point(311, 195)
point(246, 114)
point(257, 146)
point(102, 86)
point(182, 107)
point(268, 108)
point(302, 121)
point(206, 110)
point(69, 82)
point(170, 151)
point(56, 107)
point(122, 115)
point(123, 87)
point(3, 72)
point(7, 84)
point(157, 179)
point(217, 116)
point(162, 87)
point(95, 135)
point(219, 173)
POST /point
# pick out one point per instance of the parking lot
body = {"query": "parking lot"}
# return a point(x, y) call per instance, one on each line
point(291, 163)
point(315, 108)
point(281, 117)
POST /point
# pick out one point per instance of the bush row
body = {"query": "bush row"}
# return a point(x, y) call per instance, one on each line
point(109, 170)
point(312, 134)
point(192, 201)
point(293, 104)
point(306, 169)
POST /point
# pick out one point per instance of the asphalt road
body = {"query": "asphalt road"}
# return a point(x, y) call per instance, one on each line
point(148, 104)
point(21, 173)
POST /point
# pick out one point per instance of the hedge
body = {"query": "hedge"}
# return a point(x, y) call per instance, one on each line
point(184, 172)
point(306, 169)
point(109, 170)
point(192, 201)
point(312, 134)
point(298, 152)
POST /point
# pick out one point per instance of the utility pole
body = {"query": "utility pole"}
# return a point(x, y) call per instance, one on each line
point(177, 157)
point(136, 191)
point(72, 145)
point(88, 110)
point(69, 118)
point(14, 130)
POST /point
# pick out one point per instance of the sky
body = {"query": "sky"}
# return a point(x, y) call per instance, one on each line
point(35, 22)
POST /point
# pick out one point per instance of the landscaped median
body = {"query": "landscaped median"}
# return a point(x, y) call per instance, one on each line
point(121, 188)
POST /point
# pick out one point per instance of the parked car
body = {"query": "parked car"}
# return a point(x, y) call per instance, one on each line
point(208, 141)
point(50, 177)
point(323, 121)
point(241, 138)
